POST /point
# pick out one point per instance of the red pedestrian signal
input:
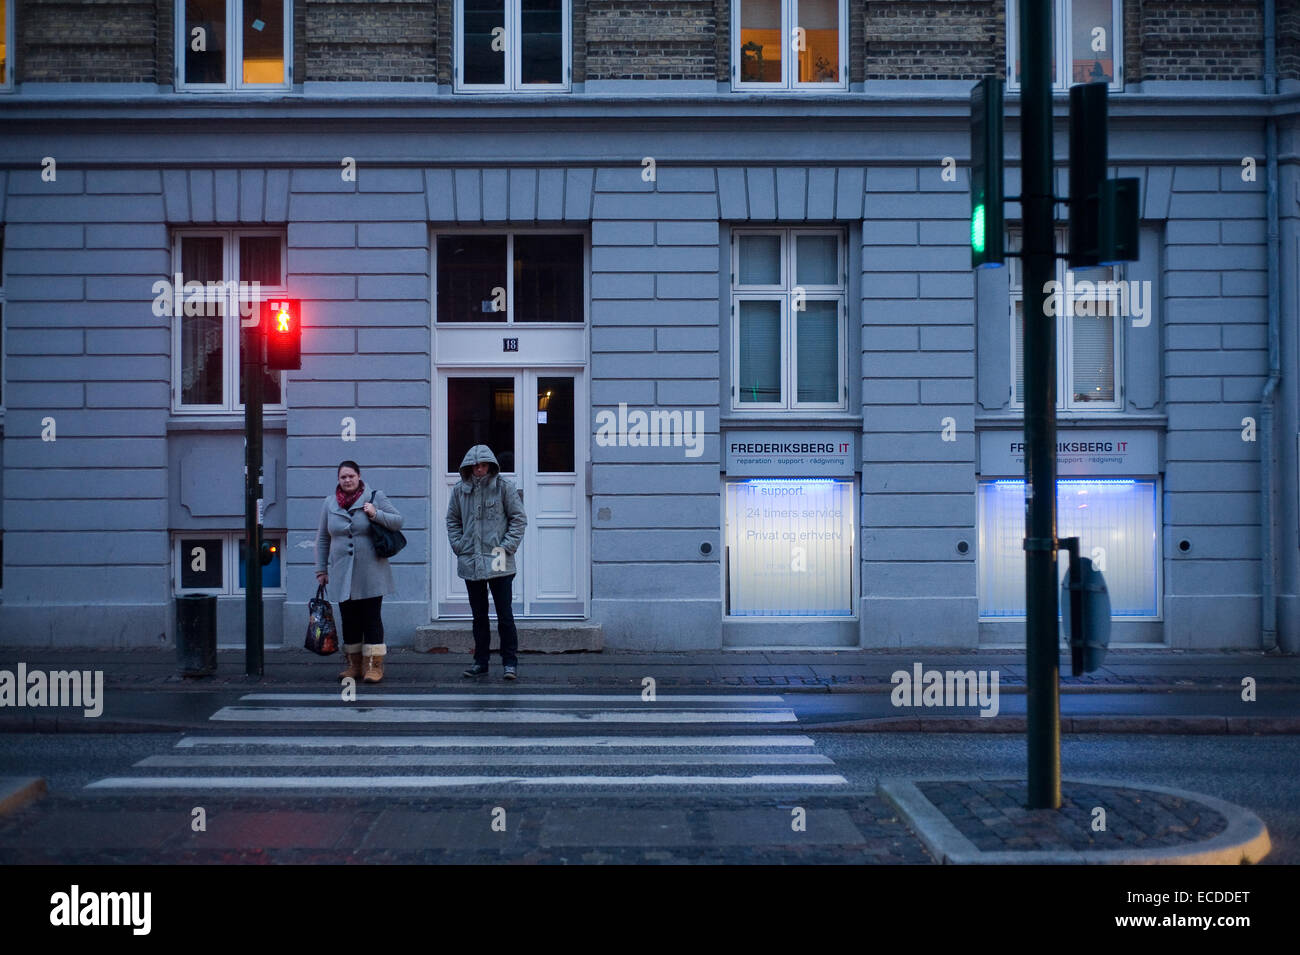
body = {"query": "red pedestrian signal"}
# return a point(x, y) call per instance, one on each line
point(282, 325)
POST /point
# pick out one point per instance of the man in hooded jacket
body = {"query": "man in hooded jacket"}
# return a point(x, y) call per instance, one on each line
point(485, 526)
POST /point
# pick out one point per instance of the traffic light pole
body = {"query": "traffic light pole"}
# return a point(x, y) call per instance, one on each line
point(253, 375)
point(1038, 259)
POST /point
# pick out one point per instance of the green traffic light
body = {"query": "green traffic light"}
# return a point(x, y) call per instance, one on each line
point(977, 229)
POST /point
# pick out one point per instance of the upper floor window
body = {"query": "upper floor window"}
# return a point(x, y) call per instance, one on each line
point(789, 292)
point(217, 270)
point(512, 45)
point(6, 44)
point(1088, 307)
point(1087, 43)
point(789, 44)
point(233, 44)
point(511, 277)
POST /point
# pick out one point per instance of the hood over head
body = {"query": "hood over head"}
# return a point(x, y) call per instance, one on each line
point(478, 454)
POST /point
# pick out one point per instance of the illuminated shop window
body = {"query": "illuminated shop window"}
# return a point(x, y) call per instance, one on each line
point(790, 545)
point(789, 44)
point(233, 44)
point(1116, 521)
point(1092, 32)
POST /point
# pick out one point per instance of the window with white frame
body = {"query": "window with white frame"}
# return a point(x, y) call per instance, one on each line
point(511, 277)
point(512, 45)
point(234, 44)
point(224, 275)
point(1088, 307)
point(213, 562)
point(1087, 43)
point(789, 291)
point(6, 45)
point(789, 44)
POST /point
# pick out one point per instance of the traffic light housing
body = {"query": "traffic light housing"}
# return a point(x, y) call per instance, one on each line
point(268, 552)
point(1088, 152)
point(987, 226)
point(1119, 221)
point(282, 326)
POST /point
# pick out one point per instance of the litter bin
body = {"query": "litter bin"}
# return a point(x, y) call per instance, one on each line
point(196, 634)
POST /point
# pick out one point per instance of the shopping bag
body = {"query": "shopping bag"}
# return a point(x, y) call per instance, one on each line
point(322, 636)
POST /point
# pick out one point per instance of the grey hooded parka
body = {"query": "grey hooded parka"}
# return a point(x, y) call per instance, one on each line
point(484, 514)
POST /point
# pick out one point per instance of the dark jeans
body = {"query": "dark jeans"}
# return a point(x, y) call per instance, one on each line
point(478, 602)
point(361, 622)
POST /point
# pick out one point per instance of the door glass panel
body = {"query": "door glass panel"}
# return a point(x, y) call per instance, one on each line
point(554, 425)
point(481, 411)
point(483, 64)
point(548, 278)
point(472, 278)
point(542, 50)
point(760, 41)
point(205, 41)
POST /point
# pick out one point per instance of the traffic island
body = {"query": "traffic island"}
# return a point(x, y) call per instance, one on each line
point(985, 822)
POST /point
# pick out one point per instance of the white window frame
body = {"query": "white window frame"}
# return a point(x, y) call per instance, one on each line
point(229, 297)
point(789, 344)
point(7, 74)
point(234, 52)
point(789, 18)
point(510, 278)
point(1063, 23)
point(513, 54)
point(1064, 339)
point(229, 562)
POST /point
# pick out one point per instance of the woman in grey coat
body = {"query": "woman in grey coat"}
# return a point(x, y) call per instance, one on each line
point(345, 551)
point(485, 526)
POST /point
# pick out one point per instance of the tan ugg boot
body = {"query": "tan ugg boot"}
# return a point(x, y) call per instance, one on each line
point(374, 661)
point(353, 653)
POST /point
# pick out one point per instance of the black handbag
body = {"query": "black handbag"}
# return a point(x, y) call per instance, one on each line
point(387, 543)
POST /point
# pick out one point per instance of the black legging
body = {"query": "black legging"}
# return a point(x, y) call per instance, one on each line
point(361, 621)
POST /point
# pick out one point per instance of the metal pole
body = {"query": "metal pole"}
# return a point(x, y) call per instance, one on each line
point(253, 372)
point(1038, 206)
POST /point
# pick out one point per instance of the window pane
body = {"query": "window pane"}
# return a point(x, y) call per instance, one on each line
point(1013, 36)
point(548, 278)
point(200, 563)
point(1093, 30)
point(202, 337)
point(542, 52)
point(483, 64)
point(760, 41)
point(819, 61)
point(481, 411)
point(1094, 357)
point(263, 41)
point(4, 51)
point(760, 351)
point(472, 278)
point(270, 573)
point(760, 260)
point(205, 41)
point(270, 380)
point(1020, 352)
point(817, 260)
point(817, 372)
point(259, 259)
point(201, 259)
point(554, 425)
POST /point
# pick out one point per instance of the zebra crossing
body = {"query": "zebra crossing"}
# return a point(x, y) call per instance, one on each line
point(459, 741)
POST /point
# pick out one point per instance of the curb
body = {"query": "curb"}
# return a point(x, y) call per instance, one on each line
point(1188, 725)
point(1244, 841)
point(17, 791)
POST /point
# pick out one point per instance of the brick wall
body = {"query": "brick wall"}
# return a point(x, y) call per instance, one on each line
point(105, 41)
point(1202, 40)
point(931, 40)
point(651, 39)
point(1288, 41)
point(365, 40)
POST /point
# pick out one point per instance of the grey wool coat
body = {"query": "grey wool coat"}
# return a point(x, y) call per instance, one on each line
point(346, 551)
point(484, 514)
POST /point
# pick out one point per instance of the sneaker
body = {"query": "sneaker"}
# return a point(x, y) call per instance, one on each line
point(510, 674)
point(475, 670)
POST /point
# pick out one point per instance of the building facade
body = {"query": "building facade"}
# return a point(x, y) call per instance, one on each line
point(698, 272)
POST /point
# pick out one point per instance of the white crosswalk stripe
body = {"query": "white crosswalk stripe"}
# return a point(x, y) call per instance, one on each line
point(461, 758)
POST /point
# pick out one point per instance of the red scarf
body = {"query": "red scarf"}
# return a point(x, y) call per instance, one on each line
point(347, 500)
